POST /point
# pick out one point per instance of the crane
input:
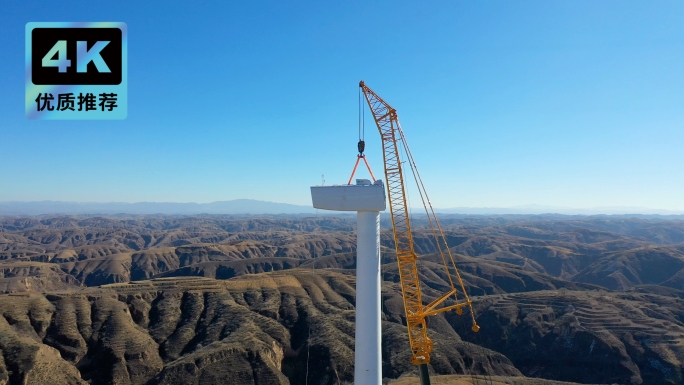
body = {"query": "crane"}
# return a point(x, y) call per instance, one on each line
point(392, 137)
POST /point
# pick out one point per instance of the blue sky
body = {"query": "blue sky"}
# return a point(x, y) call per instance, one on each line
point(504, 103)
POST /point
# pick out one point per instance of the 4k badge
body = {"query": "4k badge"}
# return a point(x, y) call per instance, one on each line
point(76, 70)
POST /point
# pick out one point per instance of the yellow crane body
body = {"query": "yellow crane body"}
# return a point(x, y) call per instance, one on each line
point(391, 134)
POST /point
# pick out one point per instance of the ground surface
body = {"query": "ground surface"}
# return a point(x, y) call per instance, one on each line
point(477, 380)
point(219, 299)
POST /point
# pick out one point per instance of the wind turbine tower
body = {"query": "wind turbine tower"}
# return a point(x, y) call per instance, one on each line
point(367, 199)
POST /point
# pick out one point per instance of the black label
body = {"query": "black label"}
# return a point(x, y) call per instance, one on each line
point(89, 54)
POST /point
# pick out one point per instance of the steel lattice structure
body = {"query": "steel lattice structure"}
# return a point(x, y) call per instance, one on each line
point(391, 134)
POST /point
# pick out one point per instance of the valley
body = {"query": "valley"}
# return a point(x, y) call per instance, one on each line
point(270, 300)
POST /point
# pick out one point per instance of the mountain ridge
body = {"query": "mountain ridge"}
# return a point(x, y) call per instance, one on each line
point(212, 299)
point(257, 207)
point(236, 206)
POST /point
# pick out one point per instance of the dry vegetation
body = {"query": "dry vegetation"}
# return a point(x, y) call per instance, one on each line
point(214, 300)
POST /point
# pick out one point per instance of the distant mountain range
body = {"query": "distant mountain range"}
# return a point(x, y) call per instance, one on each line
point(237, 206)
point(251, 206)
point(540, 209)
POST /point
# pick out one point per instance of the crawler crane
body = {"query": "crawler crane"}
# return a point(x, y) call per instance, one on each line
point(392, 138)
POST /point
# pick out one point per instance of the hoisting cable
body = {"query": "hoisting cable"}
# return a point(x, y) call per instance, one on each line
point(414, 171)
point(438, 233)
point(360, 108)
point(438, 227)
point(361, 145)
point(434, 225)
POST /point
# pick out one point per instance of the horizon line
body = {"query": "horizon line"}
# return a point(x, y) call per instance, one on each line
point(519, 209)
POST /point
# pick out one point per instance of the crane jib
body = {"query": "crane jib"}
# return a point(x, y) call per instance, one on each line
point(391, 134)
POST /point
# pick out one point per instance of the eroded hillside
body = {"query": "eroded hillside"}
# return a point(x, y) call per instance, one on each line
point(166, 300)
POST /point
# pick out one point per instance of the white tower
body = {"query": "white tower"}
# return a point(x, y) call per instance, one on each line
point(367, 199)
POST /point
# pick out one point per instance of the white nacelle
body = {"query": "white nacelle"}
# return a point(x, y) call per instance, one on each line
point(363, 196)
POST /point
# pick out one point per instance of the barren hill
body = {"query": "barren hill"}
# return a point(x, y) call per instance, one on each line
point(217, 299)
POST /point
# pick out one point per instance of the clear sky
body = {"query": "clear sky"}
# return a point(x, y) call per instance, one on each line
point(504, 103)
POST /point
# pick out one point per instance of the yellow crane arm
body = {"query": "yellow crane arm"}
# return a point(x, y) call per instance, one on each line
point(390, 132)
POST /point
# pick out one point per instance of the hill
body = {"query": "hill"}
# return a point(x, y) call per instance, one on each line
point(208, 299)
